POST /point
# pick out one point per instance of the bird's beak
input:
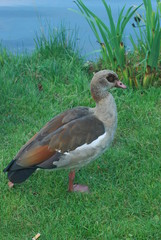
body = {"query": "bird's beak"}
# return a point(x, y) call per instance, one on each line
point(119, 84)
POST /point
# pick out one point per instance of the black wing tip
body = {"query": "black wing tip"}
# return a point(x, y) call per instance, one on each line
point(18, 174)
point(8, 166)
point(21, 175)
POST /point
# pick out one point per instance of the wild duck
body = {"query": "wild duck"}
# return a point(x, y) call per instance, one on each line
point(73, 138)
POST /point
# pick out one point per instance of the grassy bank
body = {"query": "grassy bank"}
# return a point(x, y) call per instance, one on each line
point(124, 182)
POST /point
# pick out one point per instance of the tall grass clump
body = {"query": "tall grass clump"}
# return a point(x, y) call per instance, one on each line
point(149, 41)
point(57, 40)
point(113, 48)
point(58, 49)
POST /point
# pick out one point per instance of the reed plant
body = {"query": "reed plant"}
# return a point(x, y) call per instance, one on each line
point(110, 37)
point(138, 67)
point(159, 6)
point(149, 41)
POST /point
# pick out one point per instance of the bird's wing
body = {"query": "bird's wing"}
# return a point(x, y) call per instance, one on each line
point(63, 133)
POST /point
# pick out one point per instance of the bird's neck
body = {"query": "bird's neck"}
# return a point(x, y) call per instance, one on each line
point(98, 93)
point(106, 110)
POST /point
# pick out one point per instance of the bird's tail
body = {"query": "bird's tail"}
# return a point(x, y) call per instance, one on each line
point(18, 174)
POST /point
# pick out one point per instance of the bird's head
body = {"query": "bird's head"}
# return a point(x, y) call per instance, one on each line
point(102, 81)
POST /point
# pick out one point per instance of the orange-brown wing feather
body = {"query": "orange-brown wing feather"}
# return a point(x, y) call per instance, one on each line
point(35, 156)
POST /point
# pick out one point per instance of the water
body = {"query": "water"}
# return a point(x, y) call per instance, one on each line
point(21, 19)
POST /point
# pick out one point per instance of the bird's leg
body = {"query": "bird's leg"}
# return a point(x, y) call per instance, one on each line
point(75, 187)
point(10, 184)
point(71, 179)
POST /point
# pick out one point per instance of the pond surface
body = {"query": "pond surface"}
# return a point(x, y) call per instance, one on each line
point(20, 20)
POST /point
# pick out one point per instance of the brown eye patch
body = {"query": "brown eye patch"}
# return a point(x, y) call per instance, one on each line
point(110, 78)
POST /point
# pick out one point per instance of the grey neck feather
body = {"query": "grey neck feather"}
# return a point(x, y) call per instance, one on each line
point(106, 110)
point(98, 93)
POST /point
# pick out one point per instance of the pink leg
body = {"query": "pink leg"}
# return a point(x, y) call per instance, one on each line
point(75, 187)
point(71, 179)
point(10, 184)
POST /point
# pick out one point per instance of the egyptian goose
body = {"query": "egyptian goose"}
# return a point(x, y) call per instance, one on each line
point(73, 138)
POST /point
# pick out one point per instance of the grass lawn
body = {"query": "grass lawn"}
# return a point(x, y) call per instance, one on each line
point(124, 182)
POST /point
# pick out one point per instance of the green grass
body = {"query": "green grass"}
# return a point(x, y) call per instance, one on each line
point(124, 182)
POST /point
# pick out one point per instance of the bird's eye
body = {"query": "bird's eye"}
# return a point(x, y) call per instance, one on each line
point(110, 78)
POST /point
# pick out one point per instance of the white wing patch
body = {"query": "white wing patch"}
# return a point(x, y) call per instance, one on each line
point(86, 147)
point(58, 150)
